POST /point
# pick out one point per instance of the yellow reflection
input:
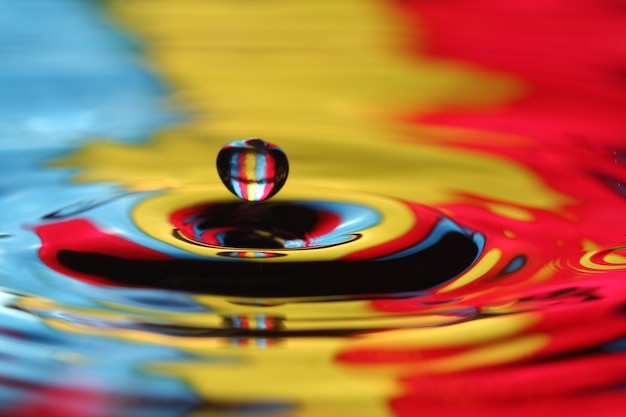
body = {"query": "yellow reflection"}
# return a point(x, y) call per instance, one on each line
point(302, 371)
point(323, 80)
point(307, 372)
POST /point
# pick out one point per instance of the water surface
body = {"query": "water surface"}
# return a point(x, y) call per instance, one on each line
point(450, 239)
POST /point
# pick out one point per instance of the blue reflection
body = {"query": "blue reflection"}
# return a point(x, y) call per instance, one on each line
point(68, 77)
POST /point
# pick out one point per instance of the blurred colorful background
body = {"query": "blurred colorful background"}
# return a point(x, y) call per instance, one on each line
point(450, 240)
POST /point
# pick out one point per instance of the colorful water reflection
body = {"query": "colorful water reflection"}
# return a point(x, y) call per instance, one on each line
point(450, 239)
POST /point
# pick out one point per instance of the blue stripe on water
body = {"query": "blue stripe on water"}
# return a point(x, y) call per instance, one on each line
point(69, 76)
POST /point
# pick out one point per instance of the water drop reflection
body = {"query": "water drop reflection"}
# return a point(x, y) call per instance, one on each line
point(252, 169)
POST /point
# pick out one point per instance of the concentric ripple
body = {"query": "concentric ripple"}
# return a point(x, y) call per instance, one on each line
point(450, 243)
point(330, 248)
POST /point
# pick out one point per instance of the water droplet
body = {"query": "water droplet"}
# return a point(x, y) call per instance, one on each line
point(252, 169)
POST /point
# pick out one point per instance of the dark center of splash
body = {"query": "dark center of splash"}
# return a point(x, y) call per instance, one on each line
point(447, 258)
point(255, 226)
point(431, 253)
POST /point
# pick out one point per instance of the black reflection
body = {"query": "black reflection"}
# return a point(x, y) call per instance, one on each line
point(258, 225)
point(447, 258)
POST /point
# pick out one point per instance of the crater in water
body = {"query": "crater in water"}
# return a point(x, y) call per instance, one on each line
point(250, 246)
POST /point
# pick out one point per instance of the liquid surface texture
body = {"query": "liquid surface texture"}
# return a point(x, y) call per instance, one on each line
point(451, 240)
